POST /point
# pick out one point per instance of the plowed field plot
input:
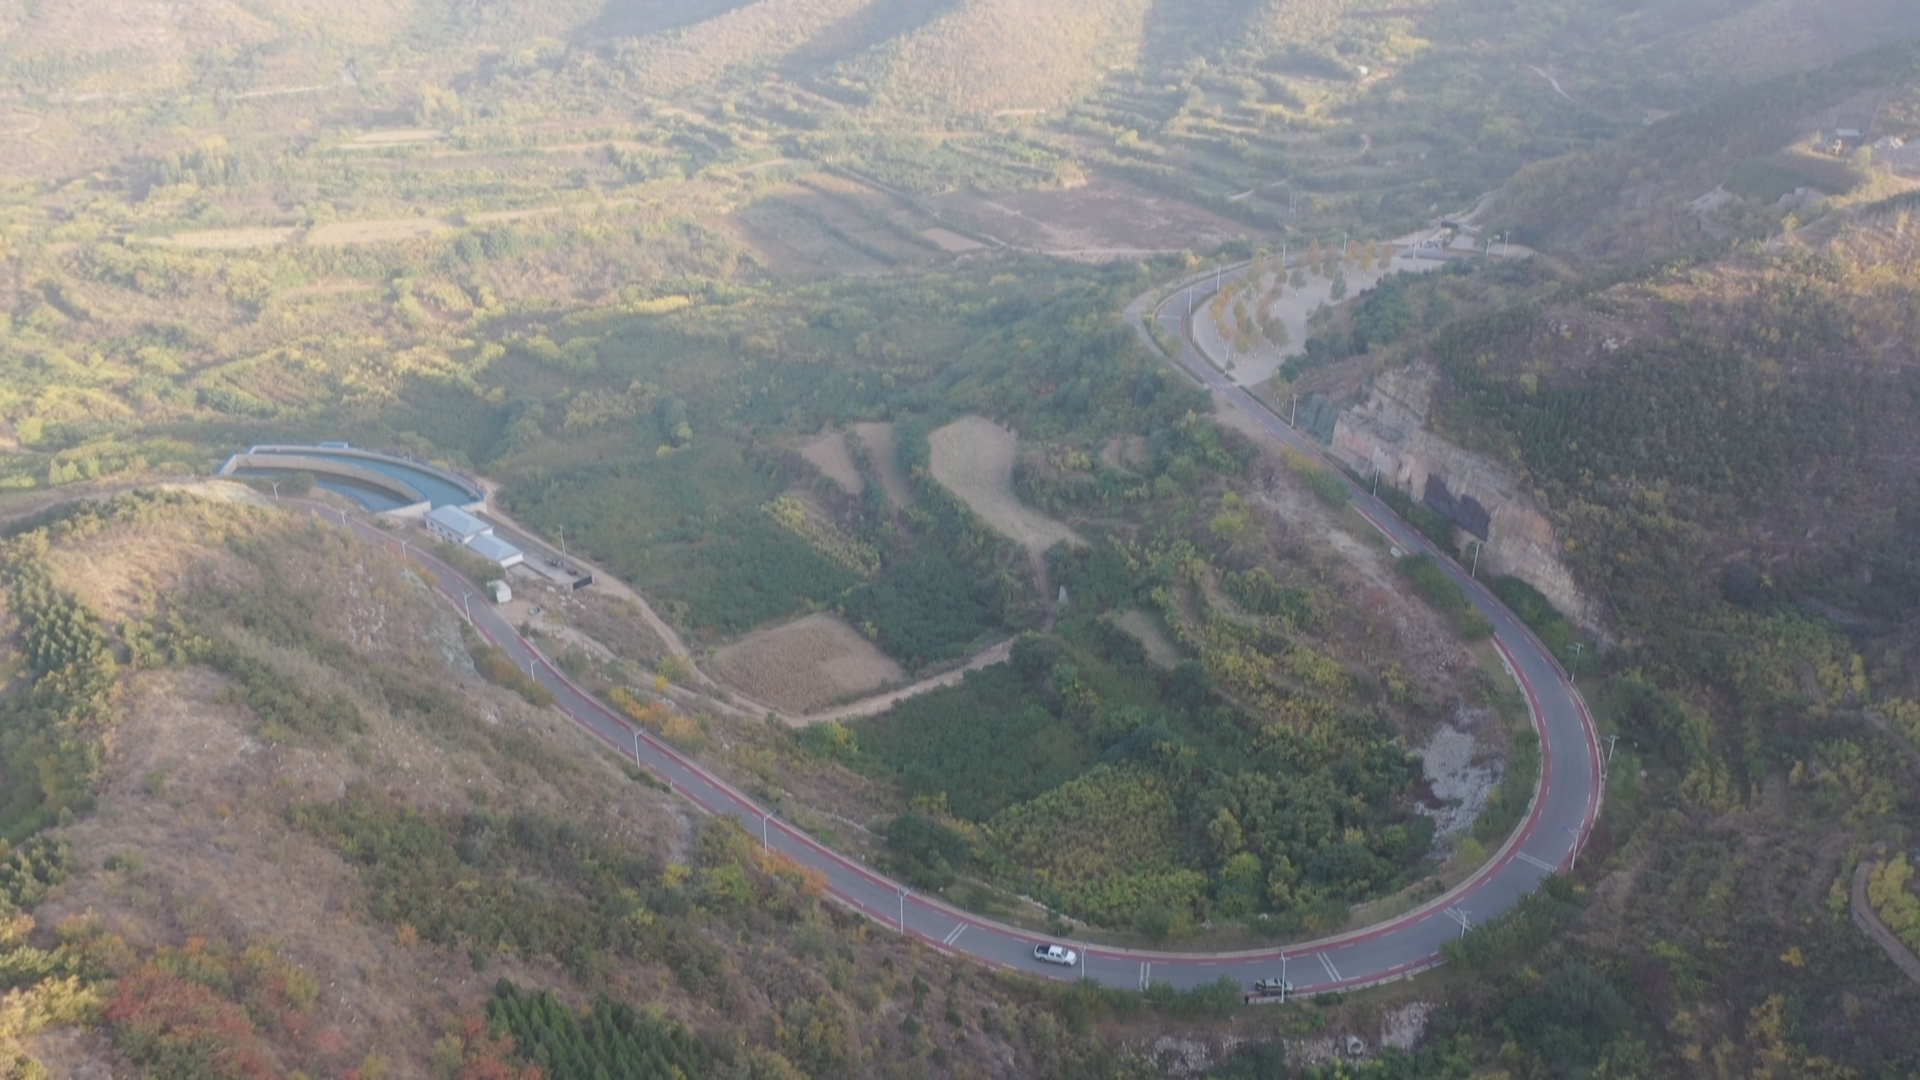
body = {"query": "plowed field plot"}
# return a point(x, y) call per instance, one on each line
point(885, 454)
point(973, 458)
point(1102, 221)
point(829, 454)
point(805, 664)
point(800, 244)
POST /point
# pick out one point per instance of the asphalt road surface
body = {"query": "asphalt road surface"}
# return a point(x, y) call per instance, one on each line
point(1562, 813)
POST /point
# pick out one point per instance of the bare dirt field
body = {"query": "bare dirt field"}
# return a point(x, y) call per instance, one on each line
point(339, 233)
point(228, 239)
point(397, 137)
point(973, 458)
point(951, 241)
point(805, 664)
point(1142, 628)
point(1102, 221)
point(829, 453)
point(885, 453)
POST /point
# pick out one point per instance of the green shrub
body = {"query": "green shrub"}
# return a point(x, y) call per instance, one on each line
point(924, 608)
point(498, 668)
point(1534, 609)
point(1508, 804)
point(609, 1040)
point(924, 852)
point(1439, 589)
point(987, 743)
point(1324, 483)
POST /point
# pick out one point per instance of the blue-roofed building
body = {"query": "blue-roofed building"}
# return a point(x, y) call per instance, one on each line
point(456, 526)
point(497, 549)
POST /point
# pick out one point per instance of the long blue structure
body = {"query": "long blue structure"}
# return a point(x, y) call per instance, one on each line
point(382, 482)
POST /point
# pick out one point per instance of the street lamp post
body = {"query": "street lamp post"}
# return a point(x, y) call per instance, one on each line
point(1475, 571)
point(466, 605)
point(276, 490)
point(765, 817)
point(563, 540)
point(1294, 411)
point(903, 890)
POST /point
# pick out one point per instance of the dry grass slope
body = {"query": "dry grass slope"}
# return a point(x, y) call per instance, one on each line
point(755, 34)
point(973, 458)
point(992, 55)
point(805, 664)
point(190, 838)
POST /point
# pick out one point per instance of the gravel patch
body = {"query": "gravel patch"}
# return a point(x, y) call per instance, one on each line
point(1461, 787)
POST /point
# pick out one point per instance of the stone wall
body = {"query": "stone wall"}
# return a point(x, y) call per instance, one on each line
point(1386, 432)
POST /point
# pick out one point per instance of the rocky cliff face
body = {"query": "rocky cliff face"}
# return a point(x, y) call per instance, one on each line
point(1387, 432)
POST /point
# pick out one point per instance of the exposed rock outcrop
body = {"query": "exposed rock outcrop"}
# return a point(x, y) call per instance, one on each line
point(1386, 432)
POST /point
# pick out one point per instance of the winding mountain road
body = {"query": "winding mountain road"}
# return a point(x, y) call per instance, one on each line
point(1563, 810)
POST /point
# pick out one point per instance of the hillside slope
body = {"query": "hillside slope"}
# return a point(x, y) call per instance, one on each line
point(293, 829)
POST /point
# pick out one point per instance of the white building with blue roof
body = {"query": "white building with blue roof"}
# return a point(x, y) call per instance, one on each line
point(456, 526)
point(498, 550)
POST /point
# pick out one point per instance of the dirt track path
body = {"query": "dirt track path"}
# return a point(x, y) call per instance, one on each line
point(710, 688)
point(1869, 923)
point(880, 703)
point(661, 628)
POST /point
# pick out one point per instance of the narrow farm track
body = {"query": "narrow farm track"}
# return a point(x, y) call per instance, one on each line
point(1563, 811)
